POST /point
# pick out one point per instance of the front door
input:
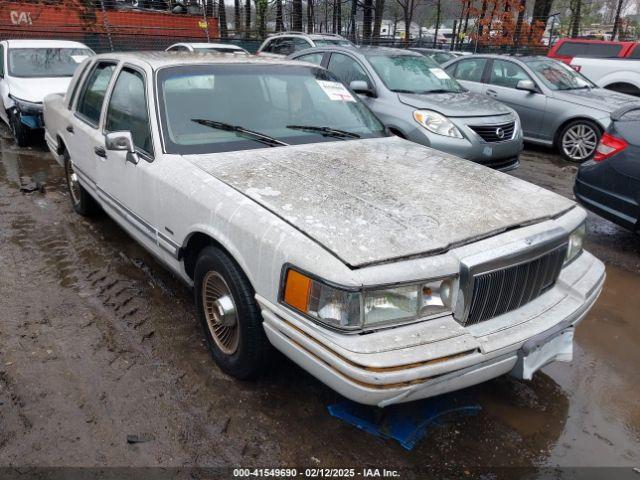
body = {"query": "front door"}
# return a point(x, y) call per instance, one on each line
point(504, 76)
point(127, 187)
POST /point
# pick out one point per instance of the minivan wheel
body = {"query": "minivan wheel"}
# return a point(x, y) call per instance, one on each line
point(229, 315)
point(578, 140)
point(82, 202)
point(19, 130)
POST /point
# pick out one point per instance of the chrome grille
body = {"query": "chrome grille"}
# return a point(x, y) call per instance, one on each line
point(504, 290)
point(494, 133)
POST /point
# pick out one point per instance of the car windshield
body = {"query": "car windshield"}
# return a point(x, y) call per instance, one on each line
point(558, 76)
point(413, 74)
point(338, 41)
point(45, 62)
point(222, 108)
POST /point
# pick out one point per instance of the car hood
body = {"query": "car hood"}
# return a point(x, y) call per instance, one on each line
point(464, 104)
point(376, 200)
point(600, 98)
point(35, 89)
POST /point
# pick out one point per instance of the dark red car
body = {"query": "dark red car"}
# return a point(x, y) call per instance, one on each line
point(567, 48)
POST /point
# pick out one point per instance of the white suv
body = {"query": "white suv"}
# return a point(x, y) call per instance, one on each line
point(29, 71)
point(285, 43)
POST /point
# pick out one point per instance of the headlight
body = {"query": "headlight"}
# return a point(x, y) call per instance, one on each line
point(27, 107)
point(576, 240)
point(358, 309)
point(436, 123)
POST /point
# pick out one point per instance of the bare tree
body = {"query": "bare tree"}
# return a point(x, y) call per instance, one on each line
point(540, 15)
point(261, 16)
point(576, 17)
point(352, 19)
point(518, 32)
point(247, 17)
point(408, 10)
point(377, 20)
point(616, 20)
point(236, 16)
point(296, 15)
point(310, 16)
point(222, 19)
point(438, 15)
point(366, 21)
point(279, 16)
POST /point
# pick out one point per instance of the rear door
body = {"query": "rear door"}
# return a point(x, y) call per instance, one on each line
point(469, 72)
point(85, 141)
point(503, 78)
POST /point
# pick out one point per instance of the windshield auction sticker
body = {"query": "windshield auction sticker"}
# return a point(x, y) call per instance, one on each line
point(439, 73)
point(336, 91)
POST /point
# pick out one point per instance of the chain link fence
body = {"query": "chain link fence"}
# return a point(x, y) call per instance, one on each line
point(118, 25)
point(111, 25)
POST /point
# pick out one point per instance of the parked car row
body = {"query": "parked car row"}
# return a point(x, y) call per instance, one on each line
point(388, 270)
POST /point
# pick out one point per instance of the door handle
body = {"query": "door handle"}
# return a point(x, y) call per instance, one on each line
point(70, 128)
point(100, 151)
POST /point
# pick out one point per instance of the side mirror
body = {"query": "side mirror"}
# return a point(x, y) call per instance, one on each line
point(122, 142)
point(361, 87)
point(527, 85)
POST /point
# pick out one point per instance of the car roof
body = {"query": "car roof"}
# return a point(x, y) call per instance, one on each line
point(44, 44)
point(362, 51)
point(208, 45)
point(312, 36)
point(158, 60)
point(522, 58)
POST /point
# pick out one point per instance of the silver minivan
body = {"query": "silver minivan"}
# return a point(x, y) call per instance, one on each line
point(419, 101)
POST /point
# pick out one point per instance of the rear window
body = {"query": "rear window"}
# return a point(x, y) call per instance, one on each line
point(593, 50)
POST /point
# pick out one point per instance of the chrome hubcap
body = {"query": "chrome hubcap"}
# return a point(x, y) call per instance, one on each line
point(579, 142)
point(220, 312)
point(74, 186)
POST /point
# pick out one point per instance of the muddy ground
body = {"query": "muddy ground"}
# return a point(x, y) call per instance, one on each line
point(98, 342)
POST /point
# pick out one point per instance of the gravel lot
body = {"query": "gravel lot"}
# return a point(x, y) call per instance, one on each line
point(98, 342)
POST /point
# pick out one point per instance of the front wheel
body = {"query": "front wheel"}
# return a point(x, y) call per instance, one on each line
point(82, 202)
point(578, 140)
point(229, 315)
point(19, 130)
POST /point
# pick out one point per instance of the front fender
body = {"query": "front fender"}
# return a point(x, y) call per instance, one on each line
point(621, 76)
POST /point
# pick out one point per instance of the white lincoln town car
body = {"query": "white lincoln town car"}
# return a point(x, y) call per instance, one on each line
point(388, 270)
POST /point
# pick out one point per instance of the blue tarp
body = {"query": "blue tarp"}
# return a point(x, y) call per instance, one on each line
point(407, 423)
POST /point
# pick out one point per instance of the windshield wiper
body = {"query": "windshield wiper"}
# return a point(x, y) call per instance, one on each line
point(326, 131)
point(240, 131)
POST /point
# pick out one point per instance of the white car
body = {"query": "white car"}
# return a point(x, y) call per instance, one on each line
point(29, 71)
point(281, 44)
point(619, 74)
point(388, 270)
point(207, 47)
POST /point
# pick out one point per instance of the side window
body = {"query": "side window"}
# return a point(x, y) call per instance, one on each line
point(284, 46)
point(300, 44)
point(1, 60)
point(127, 110)
point(471, 69)
point(507, 74)
point(95, 88)
point(347, 69)
point(76, 86)
point(635, 52)
point(312, 58)
point(269, 46)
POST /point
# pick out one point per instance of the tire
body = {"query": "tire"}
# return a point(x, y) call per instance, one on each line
point(578, 140)
point(81, 201)
point(19, 130)
point(236, 340)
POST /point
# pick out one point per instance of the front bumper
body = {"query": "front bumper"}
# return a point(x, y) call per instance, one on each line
point(499, 155)
point(444, 357)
